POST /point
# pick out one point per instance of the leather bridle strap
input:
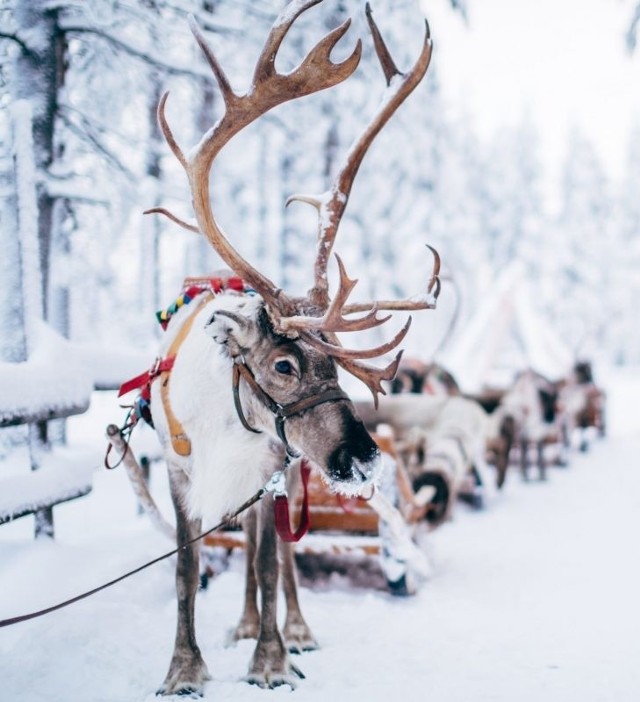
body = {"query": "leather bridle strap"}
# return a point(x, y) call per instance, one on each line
point(236, 399)
point(280, 412)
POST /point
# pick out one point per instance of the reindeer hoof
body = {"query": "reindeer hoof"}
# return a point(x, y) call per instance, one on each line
point(243, 631)
point(186, 690)
point(400, 587)
point(185, 682)
point(298, 647)
point(270, 680)
point(298, 638)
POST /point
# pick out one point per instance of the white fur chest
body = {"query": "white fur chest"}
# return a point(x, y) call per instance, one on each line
point(228, 464)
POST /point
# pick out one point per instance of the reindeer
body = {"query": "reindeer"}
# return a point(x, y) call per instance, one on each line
point(582, 405)
point(441, 439)
point(417, 377)
point(532, 404)
point(246, 378)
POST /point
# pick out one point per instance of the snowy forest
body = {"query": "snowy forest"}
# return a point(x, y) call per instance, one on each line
point(81, 157)
point(526, 589)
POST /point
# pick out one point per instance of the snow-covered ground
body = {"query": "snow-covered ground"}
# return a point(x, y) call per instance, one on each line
point(535, 598)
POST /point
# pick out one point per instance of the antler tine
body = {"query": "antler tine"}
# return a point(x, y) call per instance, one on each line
point(168, 134)
point(371, 376)
point(173, 218)
point(339, 352)
point(221, 77)
point(435, 273)
point(331, 206)
point(265, 65)
point(316, 72)
point(418, 302)
point(333, 319)
point(386, 61)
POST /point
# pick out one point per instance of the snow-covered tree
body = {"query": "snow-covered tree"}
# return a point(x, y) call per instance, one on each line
point(582, 254)
point(624, 335)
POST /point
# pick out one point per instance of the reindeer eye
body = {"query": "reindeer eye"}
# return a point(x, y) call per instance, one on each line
point(283, 367)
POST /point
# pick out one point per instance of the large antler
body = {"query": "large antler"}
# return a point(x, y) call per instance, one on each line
point(269, 88)
point(331, 206)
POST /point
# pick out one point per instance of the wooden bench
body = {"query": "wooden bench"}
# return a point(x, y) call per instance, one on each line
point(57, 474)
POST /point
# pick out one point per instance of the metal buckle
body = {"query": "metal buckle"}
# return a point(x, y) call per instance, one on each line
point(277, 484)
point(155, 368)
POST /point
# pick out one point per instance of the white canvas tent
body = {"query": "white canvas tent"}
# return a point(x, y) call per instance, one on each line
point(506, 334)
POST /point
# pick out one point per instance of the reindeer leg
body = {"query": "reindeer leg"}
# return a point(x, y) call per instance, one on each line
point(501, 462)
point(249, 624)
point(584, 443)
point(542, 466)
point(187, 670)
point(296, 632)
point(507, 437)
point(524, 459)
point(270, 665)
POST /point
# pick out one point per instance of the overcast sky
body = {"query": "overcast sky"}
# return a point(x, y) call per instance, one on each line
point(563, 61)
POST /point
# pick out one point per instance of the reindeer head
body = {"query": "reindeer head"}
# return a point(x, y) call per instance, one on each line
point(287, 347)
point(285, 376)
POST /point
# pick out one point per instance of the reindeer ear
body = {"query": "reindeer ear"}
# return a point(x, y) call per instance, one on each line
point(231, 330)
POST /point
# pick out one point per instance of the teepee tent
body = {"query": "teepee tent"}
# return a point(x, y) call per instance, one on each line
point(507, 334)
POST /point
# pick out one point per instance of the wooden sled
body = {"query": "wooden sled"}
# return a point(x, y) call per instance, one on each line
point(340, 525)
point(342, 528)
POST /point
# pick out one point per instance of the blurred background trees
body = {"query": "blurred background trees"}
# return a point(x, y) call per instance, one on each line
point(92, 72)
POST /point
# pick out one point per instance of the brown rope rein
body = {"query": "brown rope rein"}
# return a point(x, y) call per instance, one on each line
point(280, 412)
point(33, 615)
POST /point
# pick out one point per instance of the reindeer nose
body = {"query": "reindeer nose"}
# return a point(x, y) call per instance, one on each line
point(342, 466)
point(345, 466)
point(355, 460)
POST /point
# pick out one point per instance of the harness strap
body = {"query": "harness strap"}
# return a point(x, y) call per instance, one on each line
point(236, 399)
point(166, 364)
point(179, 439)
point(280, 412)
point(281, 510)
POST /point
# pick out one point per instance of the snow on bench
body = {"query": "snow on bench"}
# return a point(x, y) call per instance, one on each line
point(64, 474)
point(59, 376)
point(110, 366)
point(53, 383)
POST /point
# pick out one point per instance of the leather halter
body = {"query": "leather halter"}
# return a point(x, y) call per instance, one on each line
point(280, 412)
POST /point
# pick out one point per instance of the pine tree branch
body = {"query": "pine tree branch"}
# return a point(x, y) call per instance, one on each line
point(12, 36)
point(632, 32)
point(94, 141)
point(146, 57)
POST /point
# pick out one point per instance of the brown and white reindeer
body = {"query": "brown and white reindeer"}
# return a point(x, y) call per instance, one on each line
point(582, 406)
point(247, 374)
point(441, 439)
point(433, 379)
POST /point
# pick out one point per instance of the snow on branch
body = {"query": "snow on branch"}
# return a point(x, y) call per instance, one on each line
point(13, 36)
point(147, 57)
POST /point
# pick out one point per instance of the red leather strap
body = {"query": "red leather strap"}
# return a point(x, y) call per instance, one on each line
point(348, 504)
point(281, 510)
point(144, 378)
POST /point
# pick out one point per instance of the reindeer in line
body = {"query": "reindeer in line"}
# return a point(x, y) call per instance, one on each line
point(246, 375)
